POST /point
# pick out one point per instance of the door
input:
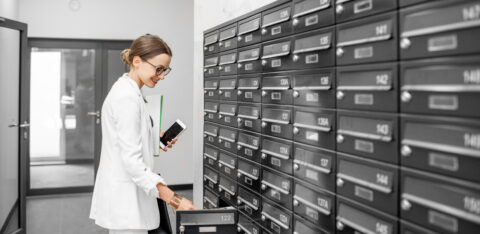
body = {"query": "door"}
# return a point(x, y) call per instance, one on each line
point(13, 71)
point(64, 114)
point(65, 120)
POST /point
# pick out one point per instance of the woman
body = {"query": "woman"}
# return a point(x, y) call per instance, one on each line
point(126, 189)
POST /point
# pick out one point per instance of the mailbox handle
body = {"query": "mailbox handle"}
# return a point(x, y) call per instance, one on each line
point(247, 174)
point(368, 184)
point(247, 202)
point(247, 145)
point(276, 187)
point(365, 135)
point(318, 128)
point(276, 221)
point(310, 204)
point(315, 167)
point(228, 190)
point(285, 157)
point(210, 156)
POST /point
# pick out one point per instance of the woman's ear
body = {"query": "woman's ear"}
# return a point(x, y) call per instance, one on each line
point(136, 61)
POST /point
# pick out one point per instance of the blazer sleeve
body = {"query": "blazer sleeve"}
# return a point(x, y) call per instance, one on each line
point(127, 112)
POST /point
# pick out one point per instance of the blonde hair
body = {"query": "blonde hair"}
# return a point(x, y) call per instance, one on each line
point(146, 46)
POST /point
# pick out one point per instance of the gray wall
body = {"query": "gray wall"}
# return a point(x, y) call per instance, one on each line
point(9, 9)
point(127, 19)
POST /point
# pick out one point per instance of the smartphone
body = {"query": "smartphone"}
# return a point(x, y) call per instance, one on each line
point(172, 132)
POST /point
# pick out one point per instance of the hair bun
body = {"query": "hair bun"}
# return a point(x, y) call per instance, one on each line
point(125, 56)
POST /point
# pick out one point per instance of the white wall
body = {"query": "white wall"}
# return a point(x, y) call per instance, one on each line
point(127, 19)
point(9, 9)
point(208, 14)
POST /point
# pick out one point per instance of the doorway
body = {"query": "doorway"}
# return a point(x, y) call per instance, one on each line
point(68, 83)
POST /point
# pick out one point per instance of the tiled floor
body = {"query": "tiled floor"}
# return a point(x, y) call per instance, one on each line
point(68, 214)
point(62, 175)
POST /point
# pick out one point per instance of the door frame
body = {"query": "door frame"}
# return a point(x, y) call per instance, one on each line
point(101, 48)
point(24, 100)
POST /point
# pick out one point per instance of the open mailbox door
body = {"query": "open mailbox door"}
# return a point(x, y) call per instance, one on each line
point(207, 221)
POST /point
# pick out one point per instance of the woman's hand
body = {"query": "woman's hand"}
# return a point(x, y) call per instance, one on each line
point(186, 204)
point(169, 143)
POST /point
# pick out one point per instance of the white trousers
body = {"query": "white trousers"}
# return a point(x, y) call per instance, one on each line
point(138, 231)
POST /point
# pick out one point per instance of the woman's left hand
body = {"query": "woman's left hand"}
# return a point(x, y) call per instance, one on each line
point(169, 143)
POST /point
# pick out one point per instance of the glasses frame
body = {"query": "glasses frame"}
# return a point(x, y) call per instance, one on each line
point(158, 69)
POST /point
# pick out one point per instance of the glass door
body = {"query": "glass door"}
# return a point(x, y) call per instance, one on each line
point(12, 129)
point(64, 116)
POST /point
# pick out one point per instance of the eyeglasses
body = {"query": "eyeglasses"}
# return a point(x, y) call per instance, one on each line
point(160, 69)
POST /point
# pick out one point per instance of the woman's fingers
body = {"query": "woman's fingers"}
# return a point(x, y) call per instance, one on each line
point(174, 140)
point(169, 144)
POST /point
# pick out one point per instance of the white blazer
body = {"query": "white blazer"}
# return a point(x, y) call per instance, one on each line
point(125, 193)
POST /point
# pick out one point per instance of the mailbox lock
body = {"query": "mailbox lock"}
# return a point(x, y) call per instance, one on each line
point(295, 233)
point(296, 167)
point(340, 138)
point(239, 174)
point(406, 96)
point(239, 229)
point(264, 31)
point(239, 147)
point(220, 91)
point(264, 62)
point(263, 187)
point(204, 70)
point(220, 68)
point(406, 150)
point(264, 124)
point(239, 65)
point(204, 135)
point(219, 165)
point(340, 182)
point(295, 130)
point(340, 95)
point(220, 116)
point(205, 91)
point(340, 9)
point(220, 44)
point(204, 113)
point(264, 156)
point(406, 205)
point(296, 94)
point(204, 179)
point(264, 93)
point(295, 202)
point(220, 189)
point(205, 48)
point(264, 218)
point(204, 157)
point(340, 226)
point(295, 58)
point(340, 52)
point(239, 92)
point(239, 202)
point(295, 22)
point(239, 38)
point(239, 120)
point(405, 43)
point(182, 229)
point(219, 140)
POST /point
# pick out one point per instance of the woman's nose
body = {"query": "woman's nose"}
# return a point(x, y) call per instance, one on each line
point(162, 76)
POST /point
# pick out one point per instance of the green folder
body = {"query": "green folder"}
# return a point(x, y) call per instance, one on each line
point(160, 122)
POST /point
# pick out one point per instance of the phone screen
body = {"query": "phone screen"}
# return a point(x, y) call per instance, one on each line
point(171, 133)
